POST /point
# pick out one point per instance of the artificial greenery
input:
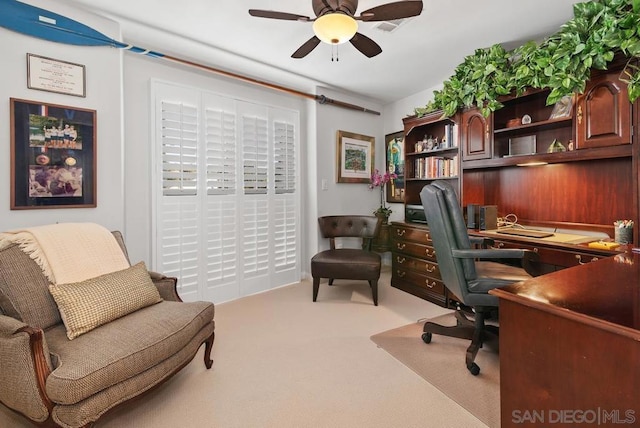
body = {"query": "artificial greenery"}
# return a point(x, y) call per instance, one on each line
point(562, 62)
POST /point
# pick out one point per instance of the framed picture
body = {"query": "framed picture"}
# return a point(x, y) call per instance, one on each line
point(53, 156)
point(562, 108)
point(355, 157)
point(394, 145)
point(53, 75)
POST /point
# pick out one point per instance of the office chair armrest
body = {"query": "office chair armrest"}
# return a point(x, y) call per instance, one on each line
point(528, 257)
point(501, 253)
point(482, 241)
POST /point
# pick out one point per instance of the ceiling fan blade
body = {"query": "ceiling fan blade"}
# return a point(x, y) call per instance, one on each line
point(306, 48)
point(365, 45)
point(391, 11)
point(272, 14)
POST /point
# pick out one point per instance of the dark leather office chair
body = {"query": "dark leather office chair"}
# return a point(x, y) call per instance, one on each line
point(347, 263)
point(469, 280)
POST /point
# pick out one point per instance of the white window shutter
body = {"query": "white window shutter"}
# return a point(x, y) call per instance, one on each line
point(255, 154)
point(284, 157)
point(285, 239)
point(255, 239)
point(221, 152)
point(179, 139)
point(179, 255)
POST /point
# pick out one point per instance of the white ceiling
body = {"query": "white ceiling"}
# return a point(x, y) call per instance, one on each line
point(420, 54)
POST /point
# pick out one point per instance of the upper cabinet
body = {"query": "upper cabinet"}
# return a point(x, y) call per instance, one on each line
point(603, 113)
point(475, 134)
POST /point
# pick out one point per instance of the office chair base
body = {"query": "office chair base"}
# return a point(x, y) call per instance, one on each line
point(465, 328)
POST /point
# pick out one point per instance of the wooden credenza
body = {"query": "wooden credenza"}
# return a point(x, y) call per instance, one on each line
point(570, 346)
point(414, 265)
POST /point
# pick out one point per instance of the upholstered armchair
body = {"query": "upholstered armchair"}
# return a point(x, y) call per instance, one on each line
point(54, 380)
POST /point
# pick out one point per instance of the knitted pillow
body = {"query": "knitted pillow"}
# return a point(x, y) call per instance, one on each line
point(91, 303)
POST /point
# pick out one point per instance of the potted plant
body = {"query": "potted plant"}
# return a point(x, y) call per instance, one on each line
point(561, 63)
point(380, 181)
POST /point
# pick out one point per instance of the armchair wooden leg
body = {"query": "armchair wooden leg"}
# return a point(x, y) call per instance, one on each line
point(316, 286)
point(208, 362)
point(374, 291)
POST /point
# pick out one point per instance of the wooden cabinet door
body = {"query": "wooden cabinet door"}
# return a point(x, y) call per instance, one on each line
point(475, 135)
point(603, 114)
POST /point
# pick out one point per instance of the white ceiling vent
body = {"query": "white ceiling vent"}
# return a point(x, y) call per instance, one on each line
point(389, 26)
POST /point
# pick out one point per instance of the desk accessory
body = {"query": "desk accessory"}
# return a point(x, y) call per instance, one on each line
point(623, 231)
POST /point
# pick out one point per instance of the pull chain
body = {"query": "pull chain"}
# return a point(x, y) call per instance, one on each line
point(334, 47)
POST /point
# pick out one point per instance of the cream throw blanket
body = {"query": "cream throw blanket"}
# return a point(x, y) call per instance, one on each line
point(69, 252)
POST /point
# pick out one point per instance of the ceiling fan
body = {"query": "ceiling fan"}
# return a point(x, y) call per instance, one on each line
point(336, 23)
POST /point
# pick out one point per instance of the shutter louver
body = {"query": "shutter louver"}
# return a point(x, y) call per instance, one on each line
point(179, 139)
point(221, 152)
point(221, 245)
point(255, 160)
point(255, 238)
point(285, 238)
point(180, 242)
point(284, 157)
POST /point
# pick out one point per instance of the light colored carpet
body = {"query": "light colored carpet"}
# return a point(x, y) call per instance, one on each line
point(282, 361)
point(442, 364)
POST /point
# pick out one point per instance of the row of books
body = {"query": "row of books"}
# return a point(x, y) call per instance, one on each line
point(436, 167)
point(450, 138)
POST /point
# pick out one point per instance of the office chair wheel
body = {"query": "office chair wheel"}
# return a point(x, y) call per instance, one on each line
point(474, 369)
point(426, 337)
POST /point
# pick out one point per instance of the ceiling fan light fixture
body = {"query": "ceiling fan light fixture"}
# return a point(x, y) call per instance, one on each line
point(335, 28)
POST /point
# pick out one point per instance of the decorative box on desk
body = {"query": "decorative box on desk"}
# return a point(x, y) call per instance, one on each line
point(413, 261)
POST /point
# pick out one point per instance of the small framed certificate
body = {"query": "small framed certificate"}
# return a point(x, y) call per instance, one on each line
point(52, 75)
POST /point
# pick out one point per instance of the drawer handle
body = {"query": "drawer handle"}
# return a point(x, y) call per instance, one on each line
point(498, 245)
point(430, 268)
point(400, 260)
point(400, 232)
point(401, 274)
point(426, 235)
point(432, 254)
point(401, 245)
point(580, 262)
point(430, 284)
point(535, 249)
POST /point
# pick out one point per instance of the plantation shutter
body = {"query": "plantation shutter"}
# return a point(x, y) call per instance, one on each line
point(255, 159)
point(179, 135)
point(284, 157)
point(221, 152)
point(226, 202)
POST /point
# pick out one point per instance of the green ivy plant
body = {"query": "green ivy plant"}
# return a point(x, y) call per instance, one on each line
point(561, 63)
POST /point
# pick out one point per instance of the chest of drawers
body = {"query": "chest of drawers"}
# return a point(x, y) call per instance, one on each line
point(414, 265)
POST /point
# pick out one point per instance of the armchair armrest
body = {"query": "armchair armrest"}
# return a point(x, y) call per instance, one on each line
point(25, 361)
point(167, 286)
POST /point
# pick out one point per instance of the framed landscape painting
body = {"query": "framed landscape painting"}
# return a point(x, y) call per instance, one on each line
point(355, 157)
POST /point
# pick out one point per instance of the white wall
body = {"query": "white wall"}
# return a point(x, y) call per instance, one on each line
point(103, 89)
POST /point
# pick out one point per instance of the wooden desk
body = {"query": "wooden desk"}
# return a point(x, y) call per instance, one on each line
point(552, 255)
point(570, 347)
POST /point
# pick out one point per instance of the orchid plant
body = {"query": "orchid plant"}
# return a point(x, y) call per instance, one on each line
point(381, 180)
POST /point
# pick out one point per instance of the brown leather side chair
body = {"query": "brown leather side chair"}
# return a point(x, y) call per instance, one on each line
point(347, 263)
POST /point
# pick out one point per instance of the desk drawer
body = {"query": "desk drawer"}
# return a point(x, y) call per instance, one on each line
point(420, 235)
point(404, 262)
point(562, 258)
point(413, 249)
point(423, 281)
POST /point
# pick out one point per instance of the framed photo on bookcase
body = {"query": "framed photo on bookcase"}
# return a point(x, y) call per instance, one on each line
point(394, 148)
